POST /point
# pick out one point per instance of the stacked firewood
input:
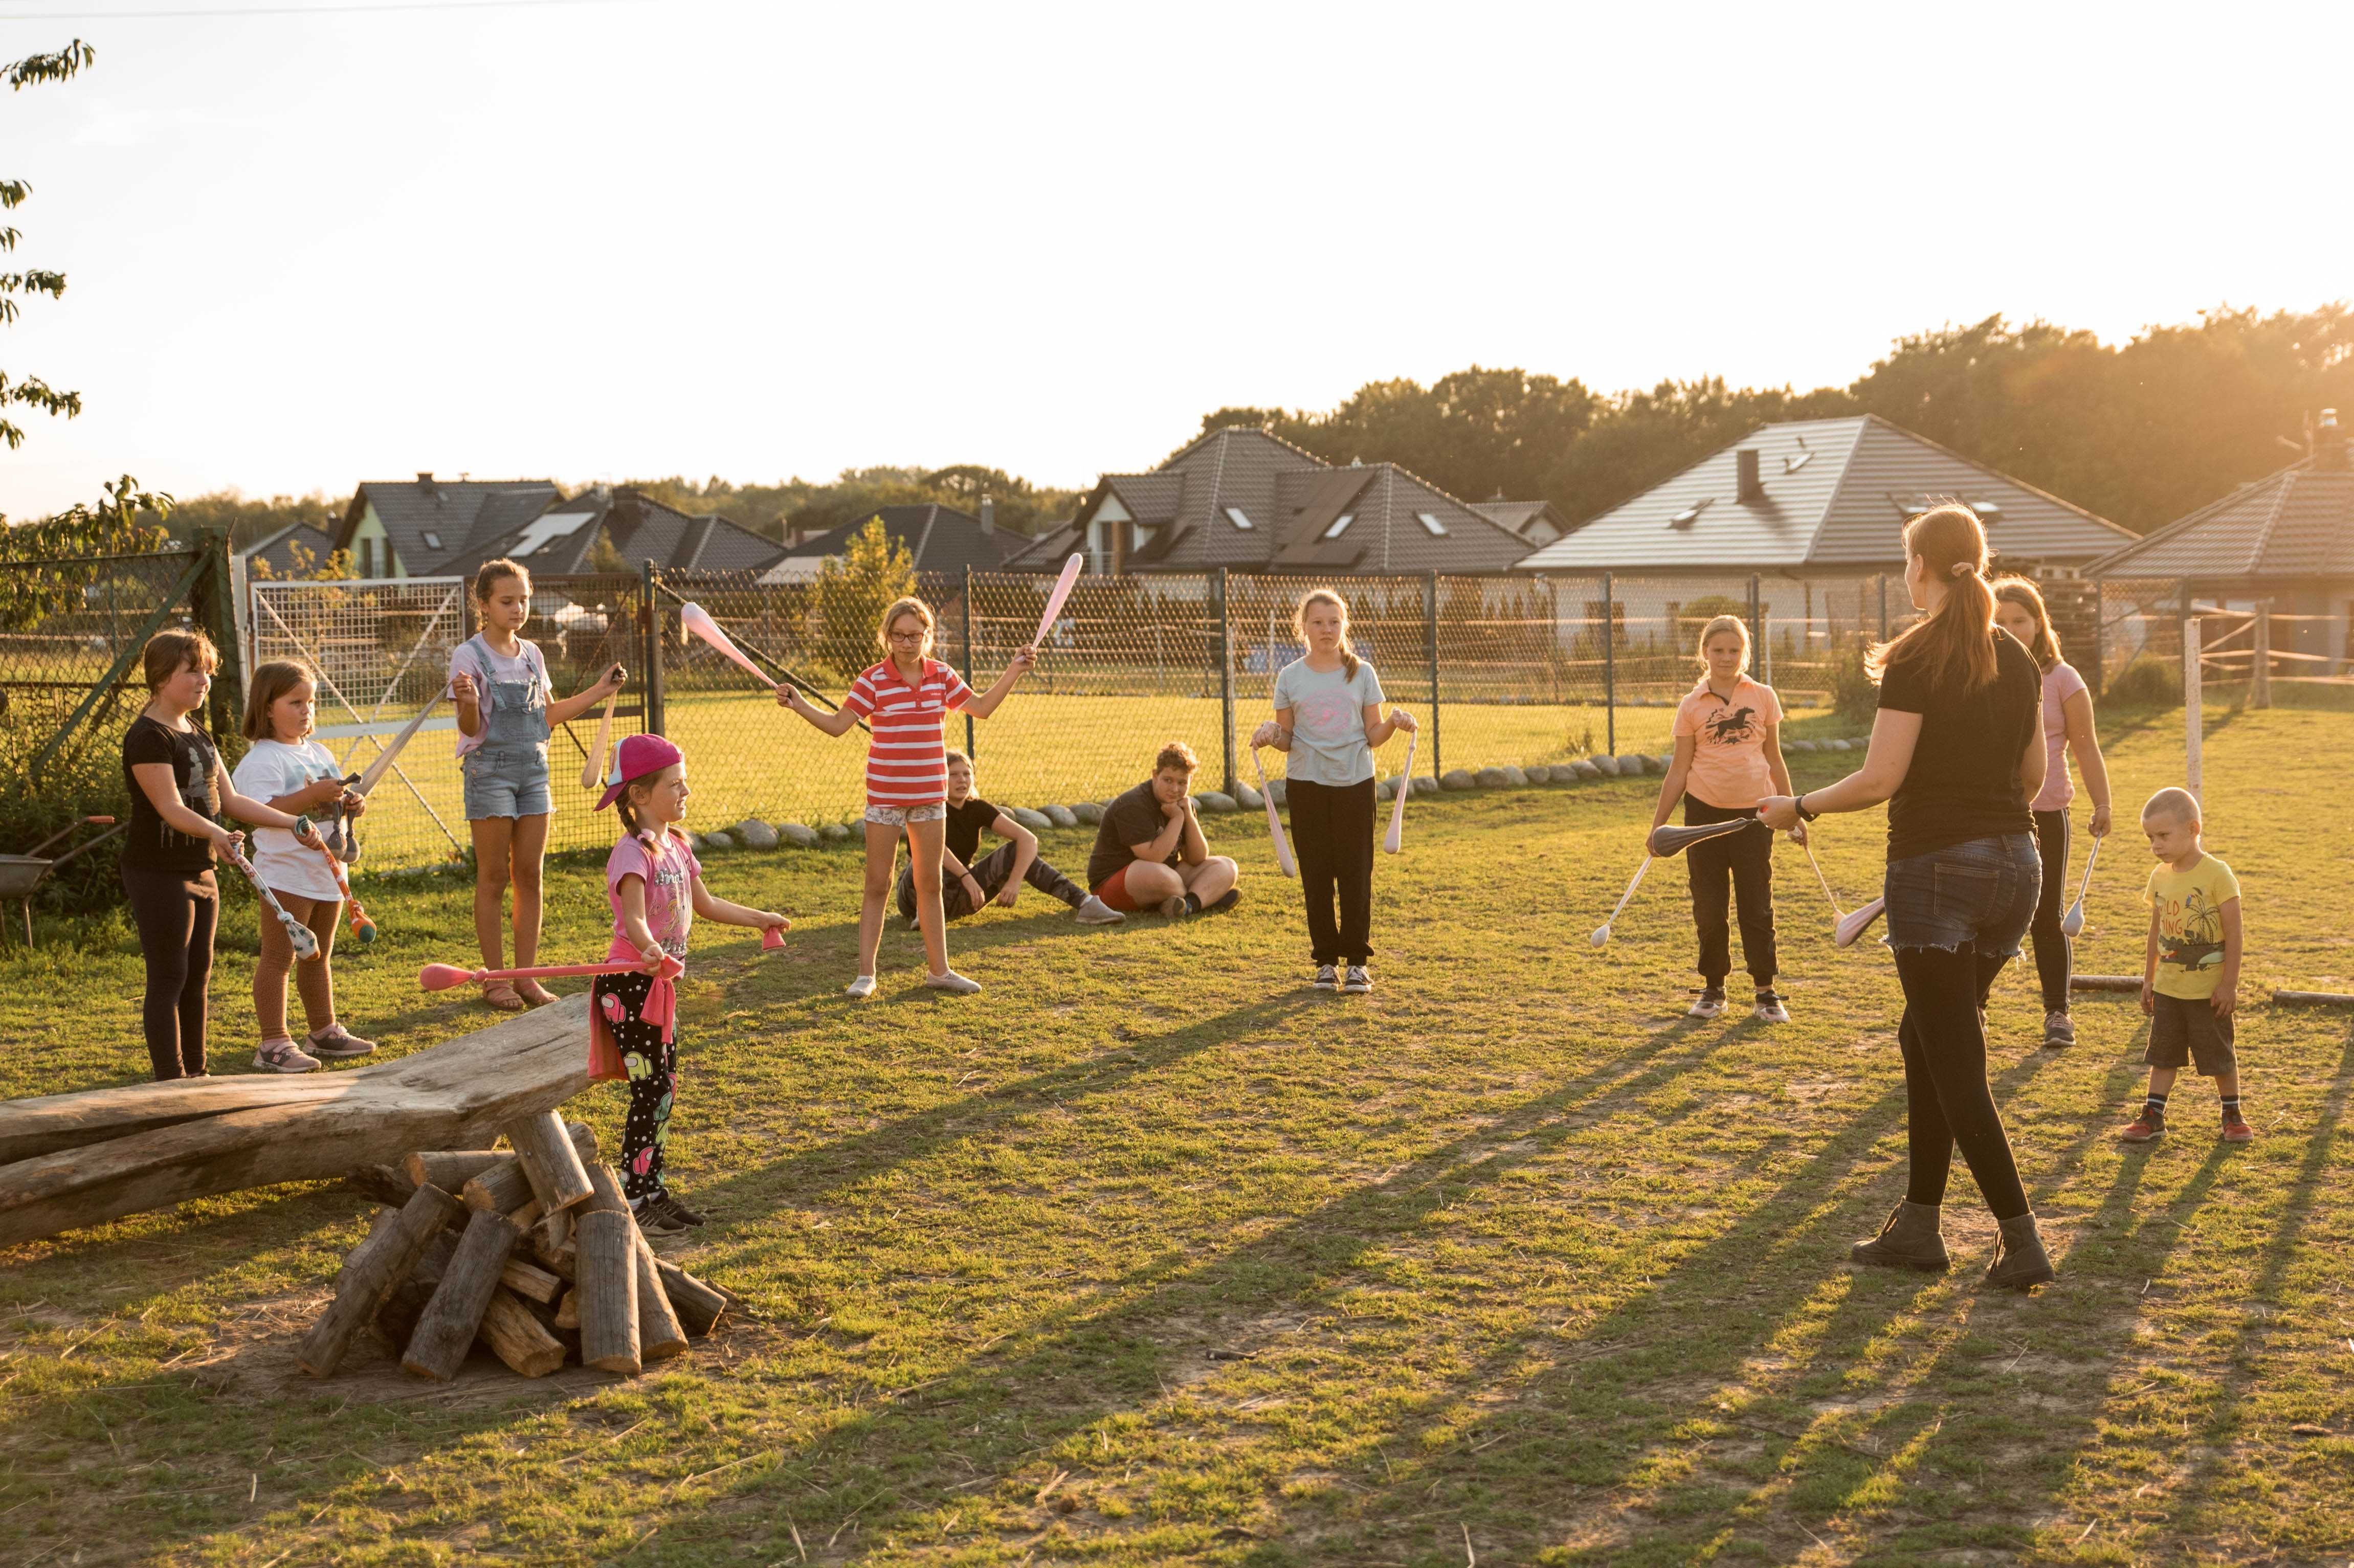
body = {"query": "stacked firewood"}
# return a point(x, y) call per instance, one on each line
point(537, 1256)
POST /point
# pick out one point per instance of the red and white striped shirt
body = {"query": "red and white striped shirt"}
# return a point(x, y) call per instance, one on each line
point(907, 761)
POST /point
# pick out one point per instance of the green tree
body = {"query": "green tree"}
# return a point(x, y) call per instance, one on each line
point(852, 592)
point(31, 391)
point(82, 535)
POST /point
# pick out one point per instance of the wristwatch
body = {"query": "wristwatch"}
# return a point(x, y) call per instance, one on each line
point(1799, 806)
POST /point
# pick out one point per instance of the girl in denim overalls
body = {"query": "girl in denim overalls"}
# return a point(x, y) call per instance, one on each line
point(506, 709)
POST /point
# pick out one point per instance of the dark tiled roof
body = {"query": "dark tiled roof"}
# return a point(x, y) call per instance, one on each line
point(941, 538)
point(278, 549)
point(455, 512)
point(643, 529)
point(2298, 523)
point(1517, 515)
point(1836, 494)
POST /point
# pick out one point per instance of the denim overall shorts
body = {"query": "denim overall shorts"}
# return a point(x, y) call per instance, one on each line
point(1982, 892)
point(506, 776)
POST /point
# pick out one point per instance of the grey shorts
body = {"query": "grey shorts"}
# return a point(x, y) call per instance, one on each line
point(506, 781)
point(900, 816)
point(1982, 892)
point(2183, 1030)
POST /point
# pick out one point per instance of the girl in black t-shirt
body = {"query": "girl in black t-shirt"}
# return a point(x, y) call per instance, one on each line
point(1956, 752)
point(178, 784)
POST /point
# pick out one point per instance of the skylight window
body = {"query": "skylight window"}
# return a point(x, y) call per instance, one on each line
point(1339, 524)
point(432, 540)
point(1793, 464)
point(1690, 514)
point(1431, 525)
point(1989, 512)
point(1241, 520)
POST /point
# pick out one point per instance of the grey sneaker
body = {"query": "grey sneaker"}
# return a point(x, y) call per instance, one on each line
point(285, 1056)
point(337, 1040)
point(1357, 982)
point(949, 980)
point(1708, 1004)
point(861, 989)
point(1173, 907)
point(658, 1216)
point(1328, 977)
point(2059, 1031)
point(1095, 912)
point(1770, 1008)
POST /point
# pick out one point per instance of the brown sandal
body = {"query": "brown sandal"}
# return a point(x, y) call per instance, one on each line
point(501, 995)
point(535, 994)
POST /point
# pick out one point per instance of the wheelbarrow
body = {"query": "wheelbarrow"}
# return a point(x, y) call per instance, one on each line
point(21, 873)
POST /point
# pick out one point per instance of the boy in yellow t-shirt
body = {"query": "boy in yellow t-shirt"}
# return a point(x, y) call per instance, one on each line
point(2190, 979)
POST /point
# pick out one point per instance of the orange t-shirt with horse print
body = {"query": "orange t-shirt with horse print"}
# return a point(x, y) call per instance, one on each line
point(1728, 765)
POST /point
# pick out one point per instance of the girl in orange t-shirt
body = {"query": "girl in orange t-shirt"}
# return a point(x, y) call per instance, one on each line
point(1729, 758)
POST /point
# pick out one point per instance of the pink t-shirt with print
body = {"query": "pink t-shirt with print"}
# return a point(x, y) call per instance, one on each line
point(2060, 682)
point(669, 870)
point(1728, 766)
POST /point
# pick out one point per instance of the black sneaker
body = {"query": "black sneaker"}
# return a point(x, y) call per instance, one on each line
point(658, 1217)
point(680, 1209)
point(1328, 975)
point(1224, 902)
point(2059, 1031)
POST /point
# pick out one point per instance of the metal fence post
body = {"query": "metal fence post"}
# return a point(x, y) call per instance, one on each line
point(1609, 667)
point(1756, 633)
point(650, 633)
point(1430, 641)
point(212, 605)
point(2260, 678)
point(1226, 647)
point(968, 657)
point(1883, 607)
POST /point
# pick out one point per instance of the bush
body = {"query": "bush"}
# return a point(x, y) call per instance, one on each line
point(1853, 697)
point(2147, 681)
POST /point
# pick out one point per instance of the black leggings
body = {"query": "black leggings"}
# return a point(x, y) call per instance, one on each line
point(1946, 1098)
point(2052, 956)
point(1735, 870)
point(1332, 829)
point(175, 913)
point(991, 871)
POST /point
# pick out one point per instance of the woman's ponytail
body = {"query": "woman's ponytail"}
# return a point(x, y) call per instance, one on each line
point(1958, 639)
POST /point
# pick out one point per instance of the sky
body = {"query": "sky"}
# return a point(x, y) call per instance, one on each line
point(308, 245)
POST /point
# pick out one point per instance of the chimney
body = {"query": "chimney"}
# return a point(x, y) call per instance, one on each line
point(1750, 488)
point(988, 515)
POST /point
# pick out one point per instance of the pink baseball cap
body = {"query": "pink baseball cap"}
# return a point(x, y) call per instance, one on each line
point(637, 755)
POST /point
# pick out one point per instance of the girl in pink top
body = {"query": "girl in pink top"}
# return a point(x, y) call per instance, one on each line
point(1729, 758)
point(655, 887)
point(2019, 609)
point(907, 696)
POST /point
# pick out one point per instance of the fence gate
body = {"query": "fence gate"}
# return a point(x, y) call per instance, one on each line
point(381, 648)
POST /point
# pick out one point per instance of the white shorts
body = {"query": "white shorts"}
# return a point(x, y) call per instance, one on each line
point(900, 816)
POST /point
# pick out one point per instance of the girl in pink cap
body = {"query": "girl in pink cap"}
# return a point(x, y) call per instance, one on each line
point(655, 887)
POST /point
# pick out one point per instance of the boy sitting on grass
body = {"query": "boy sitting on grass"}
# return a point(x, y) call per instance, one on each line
point(967, 883)
point(2191, 979)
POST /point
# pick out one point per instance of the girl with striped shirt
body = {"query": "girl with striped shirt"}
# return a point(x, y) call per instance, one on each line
point(907, 698)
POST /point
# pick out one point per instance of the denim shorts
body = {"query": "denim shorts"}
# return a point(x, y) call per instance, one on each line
point(1982, 892)
point(506, 781)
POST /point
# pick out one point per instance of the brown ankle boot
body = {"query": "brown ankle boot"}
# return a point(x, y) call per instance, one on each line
point(1909, 1240)
point(2021, 1264)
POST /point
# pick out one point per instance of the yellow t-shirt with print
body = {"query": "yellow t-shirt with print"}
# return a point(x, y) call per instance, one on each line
point(2189, 905)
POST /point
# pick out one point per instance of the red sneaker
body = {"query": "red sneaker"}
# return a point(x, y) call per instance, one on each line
point(2237, 1130)
point(2142, 1129)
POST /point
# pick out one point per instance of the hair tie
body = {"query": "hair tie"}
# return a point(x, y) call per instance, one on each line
point(1963, 568)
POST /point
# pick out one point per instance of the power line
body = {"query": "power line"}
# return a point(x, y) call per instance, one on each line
point(377, 6)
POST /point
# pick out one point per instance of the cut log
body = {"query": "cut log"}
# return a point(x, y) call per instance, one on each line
point(454, 1316)
point(84, 1159)
point(396, 1319)
point(530, 1283)
point(526, 1219)
point(604, 1191)
point(567, 1312)
point(699, 1306)
point(555, 1233)
point(564, 1262)
point(382, 1183)
point(2105, 982)
point(370, 1274)
point(517, 1337)
point(2314, 998)
point(450, 1169)
point(506, 1186)
point(608, 1292)
point(659, 1336)
point(559, 1179)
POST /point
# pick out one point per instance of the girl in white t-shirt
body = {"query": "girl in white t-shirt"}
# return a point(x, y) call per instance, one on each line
point(293, 773)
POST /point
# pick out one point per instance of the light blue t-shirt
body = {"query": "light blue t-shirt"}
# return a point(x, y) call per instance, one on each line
point(1327, 721)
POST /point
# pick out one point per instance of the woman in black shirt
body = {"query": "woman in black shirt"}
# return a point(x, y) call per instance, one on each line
point(1956, 751)
point(177, 785)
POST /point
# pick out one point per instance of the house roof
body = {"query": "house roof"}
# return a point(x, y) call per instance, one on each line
point(2298, 523)
point(1288, 500)
point(455, 513)
point(1836, 494)
point(1517, 515)
point(940, 538)
point(530, 520)
point(278, 549)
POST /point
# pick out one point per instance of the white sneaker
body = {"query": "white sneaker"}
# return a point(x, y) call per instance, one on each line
point(283, 1056)
point(1770, 1008)
point(949, 979)
point(1095, 912)
point(1328, 977)
point(1357, 982)
point(862, 988)
point(1709, 1004)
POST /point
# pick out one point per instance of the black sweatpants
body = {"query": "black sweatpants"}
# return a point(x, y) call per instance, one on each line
point(1946, 1098)
point(2051, 955)
point(176, 915)
point(1333, 833)
point(991, 871)
point(1734, 870)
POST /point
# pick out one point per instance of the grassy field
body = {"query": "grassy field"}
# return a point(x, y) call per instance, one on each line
point(1151, 1255)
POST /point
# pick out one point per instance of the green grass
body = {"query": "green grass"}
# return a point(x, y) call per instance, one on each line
point(1509, 1253)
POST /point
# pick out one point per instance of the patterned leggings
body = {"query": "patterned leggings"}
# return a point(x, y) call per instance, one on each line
point(653, 1080)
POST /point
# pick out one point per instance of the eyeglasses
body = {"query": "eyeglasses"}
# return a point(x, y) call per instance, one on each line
point(917, 636)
